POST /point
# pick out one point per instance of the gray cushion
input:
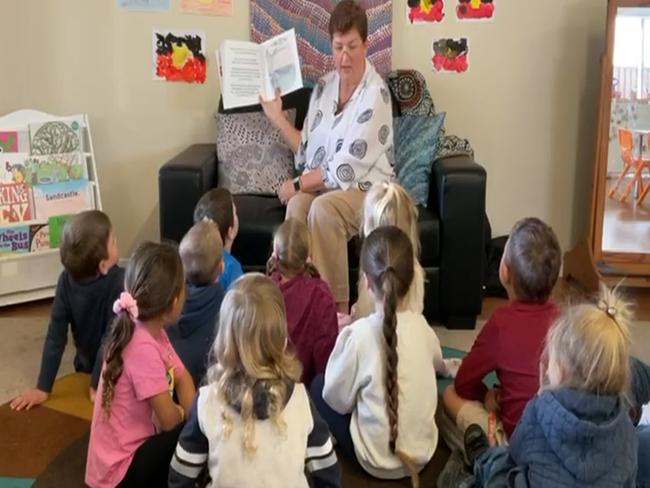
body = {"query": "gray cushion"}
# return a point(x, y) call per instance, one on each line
point(253, 158)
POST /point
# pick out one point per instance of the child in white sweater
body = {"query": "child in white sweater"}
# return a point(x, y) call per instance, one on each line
point(379, 393)
point(253, 424)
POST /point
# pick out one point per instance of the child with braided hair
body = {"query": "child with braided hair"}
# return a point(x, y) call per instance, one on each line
point(135, 421)
point(386, 424)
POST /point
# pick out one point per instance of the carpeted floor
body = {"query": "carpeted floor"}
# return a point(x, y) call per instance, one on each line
point(47, 446)
point(31, 440)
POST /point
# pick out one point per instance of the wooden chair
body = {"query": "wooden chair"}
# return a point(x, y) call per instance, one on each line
point(641, 164)
point(626, 144)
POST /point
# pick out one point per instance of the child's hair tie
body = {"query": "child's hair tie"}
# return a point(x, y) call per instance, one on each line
point(128, 303)
point(608, 309)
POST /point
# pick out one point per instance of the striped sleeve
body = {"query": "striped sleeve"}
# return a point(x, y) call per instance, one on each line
point(320, 458)
point(191, 453)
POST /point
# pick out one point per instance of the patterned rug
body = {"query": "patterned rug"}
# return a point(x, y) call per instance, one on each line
point(310, 18)
point(46, 447)
point(32, 440)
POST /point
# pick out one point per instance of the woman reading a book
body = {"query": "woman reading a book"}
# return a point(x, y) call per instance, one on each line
point(345, 146)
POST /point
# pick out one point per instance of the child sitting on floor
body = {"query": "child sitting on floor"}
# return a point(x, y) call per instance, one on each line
point(379, 394)
point(311, 310)
point(390, 204)
point(218, 205)
point(141, 372)
point(577, 431)
point(85, 292)
point(253, 424)
point(192, 336)
point(511, 341)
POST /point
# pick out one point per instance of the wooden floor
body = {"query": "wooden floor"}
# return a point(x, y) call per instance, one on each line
point(567, 293)
point(626, 226)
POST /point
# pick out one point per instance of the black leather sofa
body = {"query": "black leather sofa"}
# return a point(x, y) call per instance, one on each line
point(451, 226)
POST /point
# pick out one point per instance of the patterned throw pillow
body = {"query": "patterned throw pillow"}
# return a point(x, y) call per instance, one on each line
point(415, 146)
point(253, 158)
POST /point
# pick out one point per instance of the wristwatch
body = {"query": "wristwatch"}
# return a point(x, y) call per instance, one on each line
point(296, 184)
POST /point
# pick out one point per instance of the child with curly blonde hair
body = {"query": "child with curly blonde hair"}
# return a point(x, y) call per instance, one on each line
point(253, 423)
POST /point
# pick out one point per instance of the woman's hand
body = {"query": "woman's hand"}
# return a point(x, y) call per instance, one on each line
point(273, 108)
point(286, 192)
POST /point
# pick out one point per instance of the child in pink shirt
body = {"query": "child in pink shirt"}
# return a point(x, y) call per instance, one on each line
point(135, 422)
point(311, 310)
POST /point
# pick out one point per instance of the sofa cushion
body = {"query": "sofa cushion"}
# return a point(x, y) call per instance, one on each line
point(409, 90)
point(415, 145)
point(253, 158)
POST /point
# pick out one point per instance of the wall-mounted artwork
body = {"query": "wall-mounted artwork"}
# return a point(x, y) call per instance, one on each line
point(222, 8)
point(179, 56)
point(450, 55)
point(145, 5)
point(310, 19)
point(475, 9)
point(425, 11)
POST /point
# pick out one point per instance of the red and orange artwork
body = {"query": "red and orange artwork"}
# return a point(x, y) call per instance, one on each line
point(450, 55)
point(179, 56)
point(425, 10)
point(475, 9)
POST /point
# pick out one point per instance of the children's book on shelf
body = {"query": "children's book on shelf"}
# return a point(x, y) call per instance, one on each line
point(44, 180)
point(248, 70)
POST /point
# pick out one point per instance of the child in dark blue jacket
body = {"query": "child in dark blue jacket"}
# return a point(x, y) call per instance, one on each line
point(577, 431)
point(201, 251)
point(83, 303)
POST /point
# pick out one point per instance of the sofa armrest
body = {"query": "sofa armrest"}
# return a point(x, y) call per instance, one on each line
point(457, 193)
point(181, 182)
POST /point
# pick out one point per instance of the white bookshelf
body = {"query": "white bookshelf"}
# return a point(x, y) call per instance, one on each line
point(33, 276)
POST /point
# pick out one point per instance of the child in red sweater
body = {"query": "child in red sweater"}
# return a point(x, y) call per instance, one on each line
point(513, 338)
point(311, 309)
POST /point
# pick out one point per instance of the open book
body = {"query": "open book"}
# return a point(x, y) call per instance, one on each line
point(248, 70)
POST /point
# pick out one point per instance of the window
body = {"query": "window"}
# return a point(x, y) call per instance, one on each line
point(631, 57)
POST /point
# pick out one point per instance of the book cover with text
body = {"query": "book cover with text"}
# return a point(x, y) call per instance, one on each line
point(69, 197)
point(14, 239)
point(16, 203)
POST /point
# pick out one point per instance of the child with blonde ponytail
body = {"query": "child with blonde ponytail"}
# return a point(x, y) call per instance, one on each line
point(577, 430)
point(310, 305)
point(135, 421)
point(253, 425)
point(379, 393)
point(390, 204)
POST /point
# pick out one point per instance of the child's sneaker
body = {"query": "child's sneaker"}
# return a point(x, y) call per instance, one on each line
point(476, 443)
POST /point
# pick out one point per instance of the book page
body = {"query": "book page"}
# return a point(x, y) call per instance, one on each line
point(242, 74)
point(281, 62)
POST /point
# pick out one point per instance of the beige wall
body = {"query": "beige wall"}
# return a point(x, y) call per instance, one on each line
point(527, 105)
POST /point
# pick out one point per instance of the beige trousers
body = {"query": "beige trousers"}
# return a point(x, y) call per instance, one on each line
point(333, 218)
